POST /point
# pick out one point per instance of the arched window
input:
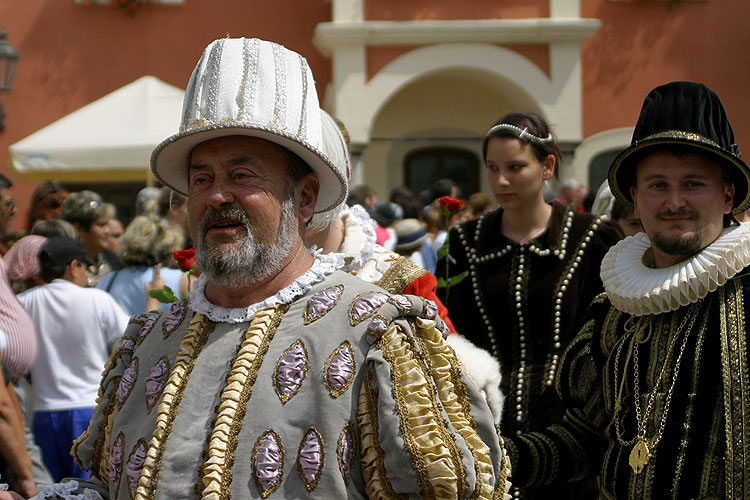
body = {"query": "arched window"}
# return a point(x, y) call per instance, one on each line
point(425, 166)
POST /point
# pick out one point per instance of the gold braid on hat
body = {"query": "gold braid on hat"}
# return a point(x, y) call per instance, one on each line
point(523, 133)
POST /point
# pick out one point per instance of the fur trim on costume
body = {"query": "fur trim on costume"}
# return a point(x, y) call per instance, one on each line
point(484, 369)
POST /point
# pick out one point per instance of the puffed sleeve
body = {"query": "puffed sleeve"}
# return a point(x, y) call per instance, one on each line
point(91, 450)
point(426, 430)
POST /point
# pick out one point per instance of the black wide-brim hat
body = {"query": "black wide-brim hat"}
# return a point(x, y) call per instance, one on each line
point(689, 114)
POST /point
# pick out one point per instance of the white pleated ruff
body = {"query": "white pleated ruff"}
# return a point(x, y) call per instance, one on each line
point(636, 289)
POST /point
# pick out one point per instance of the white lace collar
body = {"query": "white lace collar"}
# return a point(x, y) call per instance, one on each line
point(359, 238)
point(636, 289)
point(322, 267)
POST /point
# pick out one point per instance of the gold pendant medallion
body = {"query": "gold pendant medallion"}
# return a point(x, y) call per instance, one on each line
point(639, 456)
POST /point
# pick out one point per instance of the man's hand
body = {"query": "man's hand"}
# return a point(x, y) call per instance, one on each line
point(10, 495)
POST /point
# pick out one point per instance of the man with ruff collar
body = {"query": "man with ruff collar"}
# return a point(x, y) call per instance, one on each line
point(657, 383)
point(280, 376)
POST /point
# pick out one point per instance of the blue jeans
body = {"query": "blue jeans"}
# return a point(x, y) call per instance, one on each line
point(55, 432)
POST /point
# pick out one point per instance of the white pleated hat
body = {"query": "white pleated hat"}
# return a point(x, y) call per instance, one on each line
point(254, 88)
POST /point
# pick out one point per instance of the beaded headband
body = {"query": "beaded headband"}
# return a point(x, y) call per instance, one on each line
point(522, 133)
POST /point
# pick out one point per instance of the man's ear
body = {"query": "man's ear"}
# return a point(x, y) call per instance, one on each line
point(728, 197)
point(307, 196)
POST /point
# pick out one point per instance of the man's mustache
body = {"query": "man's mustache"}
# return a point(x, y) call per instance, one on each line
point(678, 213)
point(233, 213)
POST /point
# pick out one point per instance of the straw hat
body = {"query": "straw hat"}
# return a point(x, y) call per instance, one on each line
point(253, 88)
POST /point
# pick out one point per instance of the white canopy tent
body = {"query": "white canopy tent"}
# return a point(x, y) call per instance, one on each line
point(108, 140)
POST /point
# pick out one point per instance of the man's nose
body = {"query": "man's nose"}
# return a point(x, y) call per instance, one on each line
point(676, 198)
point(221, 193)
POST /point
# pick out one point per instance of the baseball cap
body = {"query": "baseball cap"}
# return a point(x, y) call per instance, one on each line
point(63, 250)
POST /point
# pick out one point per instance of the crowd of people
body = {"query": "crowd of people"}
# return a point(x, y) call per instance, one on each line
point(327, 344)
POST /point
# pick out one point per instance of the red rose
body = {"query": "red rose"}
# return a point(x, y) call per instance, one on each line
point(185, 258)
point(450, 205)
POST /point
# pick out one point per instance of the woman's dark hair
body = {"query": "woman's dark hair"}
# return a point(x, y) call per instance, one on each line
point(534, 125)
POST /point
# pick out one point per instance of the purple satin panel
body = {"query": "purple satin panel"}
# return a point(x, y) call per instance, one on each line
point(115, 462)
point(322, 302)
point(346, 452)
point(127, 344)
point(268, 462)
point(311, 458)
point(134, 466)
point(377, 327)
point(126, 382)
point(341, 368)
point(430, 309)
point(155, 382)
point(402, 303)
point(174, 317)
point(291, 370)
point(147, 325)
point(366, 305)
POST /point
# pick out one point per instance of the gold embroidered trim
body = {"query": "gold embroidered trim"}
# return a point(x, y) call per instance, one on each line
point(338, 392)
point(736, 386)
point(309, 319)
point(150, 406)
point(445, 369)
point(217, 469)
point(134, 364)
point(373, 459)
point(263, 492)
point(312, 484)
point(400, 274)
point(502, 486)
point(420, 419)
point(348, 430)
point(283, 397)
point(190, 347)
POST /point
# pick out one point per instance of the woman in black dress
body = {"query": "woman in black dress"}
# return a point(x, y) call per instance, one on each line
point(533, 269)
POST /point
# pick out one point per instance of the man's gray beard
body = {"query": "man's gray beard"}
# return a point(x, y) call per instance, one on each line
point(246, 262)
point(685, 245)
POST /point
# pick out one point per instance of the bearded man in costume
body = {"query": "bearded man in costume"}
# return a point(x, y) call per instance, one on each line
point(279, 377)
point(656, 384)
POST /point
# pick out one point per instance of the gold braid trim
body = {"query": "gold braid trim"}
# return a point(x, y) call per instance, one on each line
point(446, 372)
point(217, 469)
point(422, 428)
point(399, 275)
point(191, 345)
point(372, 458)
point(736, 386)
point(502, 487)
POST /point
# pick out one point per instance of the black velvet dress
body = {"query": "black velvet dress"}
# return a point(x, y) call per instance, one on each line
point(524, 304)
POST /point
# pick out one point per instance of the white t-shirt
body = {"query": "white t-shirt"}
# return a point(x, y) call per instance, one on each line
point(76, 328)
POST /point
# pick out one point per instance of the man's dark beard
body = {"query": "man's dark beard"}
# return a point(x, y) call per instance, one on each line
point(687, 244)
point(247, 261)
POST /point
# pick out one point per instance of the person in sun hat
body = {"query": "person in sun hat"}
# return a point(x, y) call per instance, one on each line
point(276, 378)
point(656, 382)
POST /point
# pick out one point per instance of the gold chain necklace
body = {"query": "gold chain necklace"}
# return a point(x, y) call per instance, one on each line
point(641, 452)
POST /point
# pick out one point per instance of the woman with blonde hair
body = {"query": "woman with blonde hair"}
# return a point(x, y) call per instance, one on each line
point(146, 246)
